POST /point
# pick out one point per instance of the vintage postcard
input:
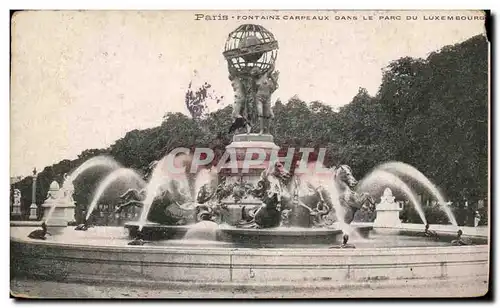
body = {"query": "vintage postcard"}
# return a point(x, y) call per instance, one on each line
point(259, 154)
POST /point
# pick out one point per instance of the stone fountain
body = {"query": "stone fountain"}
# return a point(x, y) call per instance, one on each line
point(255, 203)
point(59, 206)
point(255, 194)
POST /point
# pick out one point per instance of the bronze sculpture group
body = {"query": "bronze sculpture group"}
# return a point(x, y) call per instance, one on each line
point(252, 98)
point(281, 203)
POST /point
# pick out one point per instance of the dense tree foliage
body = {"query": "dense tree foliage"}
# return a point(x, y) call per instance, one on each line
point(431, 113)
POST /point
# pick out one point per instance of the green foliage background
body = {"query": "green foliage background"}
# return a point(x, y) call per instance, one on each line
point(431, 113)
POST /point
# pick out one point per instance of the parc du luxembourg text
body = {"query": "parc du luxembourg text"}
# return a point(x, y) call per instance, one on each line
point(333, 17)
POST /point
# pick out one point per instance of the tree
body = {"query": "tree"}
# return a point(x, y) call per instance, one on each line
point(196, 100)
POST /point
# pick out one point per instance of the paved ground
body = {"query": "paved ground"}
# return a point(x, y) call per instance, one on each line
point(45, 289)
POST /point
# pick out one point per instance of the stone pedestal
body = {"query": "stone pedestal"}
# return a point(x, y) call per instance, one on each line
point(33, 212)
point(246, 146)
point(16, 211)
point(388, 211)
point(59, 207)
point(63, 213)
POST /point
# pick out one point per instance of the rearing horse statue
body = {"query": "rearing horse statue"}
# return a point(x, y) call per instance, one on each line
point(350, 200)
point(315, 206)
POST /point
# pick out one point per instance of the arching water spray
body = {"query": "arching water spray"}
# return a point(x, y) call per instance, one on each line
point(203, 230)
point(50, 213)
point(319, 178)
point(170, 169)
point(339, 209)
point(182, 186)
point(157, 180)
point(98, 161)
point(378, 179)
point(122, 173)
point(410, 171)
point(67, 187)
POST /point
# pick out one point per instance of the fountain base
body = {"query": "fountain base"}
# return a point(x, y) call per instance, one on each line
point(271, 237)
point(102, 257)
point(63, 214)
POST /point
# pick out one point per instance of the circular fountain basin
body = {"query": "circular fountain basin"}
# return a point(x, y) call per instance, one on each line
point(101, 255)
point(279, 237)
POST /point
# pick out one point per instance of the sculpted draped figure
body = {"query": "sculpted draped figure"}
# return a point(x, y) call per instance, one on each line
point(251, 52)
point(252, 97)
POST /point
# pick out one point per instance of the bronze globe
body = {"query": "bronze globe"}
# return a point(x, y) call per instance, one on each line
point(250, 48)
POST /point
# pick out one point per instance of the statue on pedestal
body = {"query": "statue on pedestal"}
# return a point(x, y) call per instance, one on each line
point(54, 192)
point(388, 211)
point(250, 52)
point(68, 189)
point(16, 206)
point(387, 197)
point(59, 206)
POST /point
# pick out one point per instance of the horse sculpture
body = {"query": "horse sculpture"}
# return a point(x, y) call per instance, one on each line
point(131, 197)
point(175, 206)
point(350, 200)
point(172, 205)
point(305, 207)
point(271, 191)
point(209, 203)
point(313, 205)
point(134, 197)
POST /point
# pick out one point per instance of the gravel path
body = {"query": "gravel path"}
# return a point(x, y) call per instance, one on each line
point(49, 289)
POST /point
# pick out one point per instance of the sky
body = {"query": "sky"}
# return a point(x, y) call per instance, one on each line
point(81, 80)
